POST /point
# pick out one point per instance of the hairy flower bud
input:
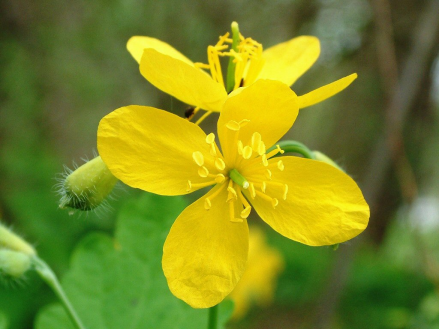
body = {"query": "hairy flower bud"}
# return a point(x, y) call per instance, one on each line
point(11, 241)
point(14, 263)
point(88, 186)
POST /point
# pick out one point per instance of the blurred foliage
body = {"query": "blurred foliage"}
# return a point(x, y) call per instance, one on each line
point(64, 66)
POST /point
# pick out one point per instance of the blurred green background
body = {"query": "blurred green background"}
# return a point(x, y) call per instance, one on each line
point(64, 65)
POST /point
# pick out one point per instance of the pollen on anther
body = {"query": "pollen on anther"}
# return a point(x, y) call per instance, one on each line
point(261, 148)
point(252, 190)
point(268, 173)
point(280, 150)
point(256, 139)
point(263, 186)
point(274, 202)
point(220, 178)
point(264, 160)
point(285, 192)
point(246, 212)
point(247, 152)
point(203, 171)
point(233, 125)
point(207, 204)
point(188, 186)
point(240, 147)
point(219, 164)
point(198, 158)
point(232, 194)
point(243, 122)
point(210, 138)
point(280, 165)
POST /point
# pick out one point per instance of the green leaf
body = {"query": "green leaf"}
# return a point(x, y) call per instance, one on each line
point(3, 321)
point(119, 283)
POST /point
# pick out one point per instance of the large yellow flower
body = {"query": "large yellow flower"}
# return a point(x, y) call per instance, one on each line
point(172, 72)
point(206, 250)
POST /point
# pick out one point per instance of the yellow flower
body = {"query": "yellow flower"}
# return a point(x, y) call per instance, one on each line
point(258, 282)
point(205, 253)
point(172, 72)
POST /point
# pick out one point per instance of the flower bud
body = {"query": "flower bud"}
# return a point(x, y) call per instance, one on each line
point(88, 186)
point(11, 241)
point(14, 263)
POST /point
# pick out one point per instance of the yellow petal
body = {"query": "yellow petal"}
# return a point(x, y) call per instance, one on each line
point(322, 93)
point(151, 149)
point(287, 61)
point(137, 44)
point(183, 81)
point(271, 106)
point(324, 206)
point(204, 255)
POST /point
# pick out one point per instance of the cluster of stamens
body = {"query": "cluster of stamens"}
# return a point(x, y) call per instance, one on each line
point(251, 159)
point(248, 60)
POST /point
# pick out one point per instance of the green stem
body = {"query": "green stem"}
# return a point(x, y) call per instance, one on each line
point(295, 147)
point(213, 317)
point(232, 65)
point(46, 273)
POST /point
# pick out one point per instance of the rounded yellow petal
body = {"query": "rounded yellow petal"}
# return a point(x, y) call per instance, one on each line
point(324, 206)
point(270, 106)
point(204, 255)
point(185, 82)
point(320, 94)
point(151, 149)
point(137, 44)
point(287, 61)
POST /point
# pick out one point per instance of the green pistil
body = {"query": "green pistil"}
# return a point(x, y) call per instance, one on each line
point(232, 66)
point(236, 177)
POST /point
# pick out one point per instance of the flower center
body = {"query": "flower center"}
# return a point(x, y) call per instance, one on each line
point(247, 58)
point(247, 174)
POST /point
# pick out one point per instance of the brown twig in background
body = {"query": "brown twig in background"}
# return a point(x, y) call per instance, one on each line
point(389, 147)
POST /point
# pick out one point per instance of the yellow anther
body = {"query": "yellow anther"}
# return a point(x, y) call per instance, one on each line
point(219, 164)
point(263, 186)
point(268, 173)
point(198, 158)
point(243, 122)
point(264, 160)
point(256, 139)
point(240, 147)
point(274, 202)
point(213, 149)
point(188, 186)
point(285, 192)
point(279, 149)
point(233, 125)
point(210, 138)
point(252, 190)
point(236, 220)
point(280, 165)
point(246, 212)
point(247, 152)
point(207, 204)
point(232, 194)
point(203, 171)
point(220, 178)
point(261, 148)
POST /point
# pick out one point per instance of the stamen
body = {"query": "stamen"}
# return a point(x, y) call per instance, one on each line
point(220, 178)
point(246, 212)
point(240, 147)
point(191, 186)
point(243, 122)
point(233, 125)
point(198, 158)
point(252, 190)
point(268, 173)
point(256, 139)
point(213, 149)
point(219, 164)
point(188, 186)
point(275, 151)
point(274, 202)
point(261, 148)
point(207, 204)
point(285, 192)
point(263, 186)
point(247, 152)
point(264, 160)
point(232, 213)
point(232, 194)
point(203, 171)
point(280, 165)
point(210, 138)
point(208, 201)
